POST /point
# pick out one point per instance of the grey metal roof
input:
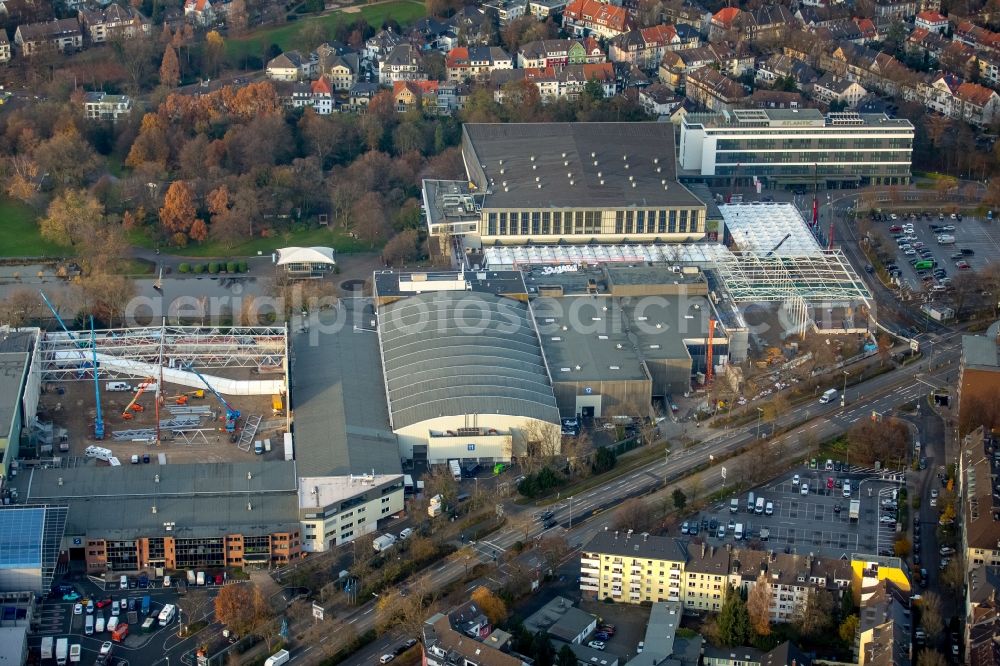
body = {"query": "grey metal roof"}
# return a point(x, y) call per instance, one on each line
point(448, 354)
point(341, 418)
point(199, 499)
point(980, 350)
point(642, 150)
point(610, 542)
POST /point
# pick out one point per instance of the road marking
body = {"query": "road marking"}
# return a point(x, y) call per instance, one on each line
point(368, 611)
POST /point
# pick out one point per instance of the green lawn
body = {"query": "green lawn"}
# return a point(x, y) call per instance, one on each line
point(404, 11)
point(19, 234)
point(338, 240)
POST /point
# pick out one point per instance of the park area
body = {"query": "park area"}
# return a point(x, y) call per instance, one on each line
point(402, 11)
point(20, 235)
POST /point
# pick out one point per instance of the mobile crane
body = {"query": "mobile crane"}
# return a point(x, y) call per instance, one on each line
point(232, 414)
point(99, 420)
point(134, 406)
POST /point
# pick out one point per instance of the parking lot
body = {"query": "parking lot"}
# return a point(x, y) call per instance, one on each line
point(58, 617)
point(977, 243)
point(817, 522)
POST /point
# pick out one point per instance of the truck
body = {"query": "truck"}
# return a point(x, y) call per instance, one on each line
point(855, 510)
point(117, 386)
point(167, 615)
point(289, 447)
point(120, 633)
point(98, 452)
point(436, 506)
point(828, 396)
point(278, 658)
point(74, 653)
point(383, 543)
point(456, 469)
point(62, 650)
point(276, 405)
point(48, 643)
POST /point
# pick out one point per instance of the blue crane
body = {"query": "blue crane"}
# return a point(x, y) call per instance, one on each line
point(99, 421)
point(232, 414)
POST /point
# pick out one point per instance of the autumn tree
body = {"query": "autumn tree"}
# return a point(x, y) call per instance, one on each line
point(238, 19)
point(151, 144)
point(72, 219)
point(902, 547)
point(633, 514)
point(932, 614)
point(243, 609)
point(67, 158)
point(368, 219)
point(493, 606)
point(212, 54)
point(759, 606)
point(21, 307)
point(199, 231)
point(885, 441)
point(405, 611)
point(170, 68)
point(178, 212)
point(816, 614)
point(928, 657)
point(848, 629)
point(20, 176)
point(107, 295)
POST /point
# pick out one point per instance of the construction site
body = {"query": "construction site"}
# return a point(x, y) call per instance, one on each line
point(169, 394)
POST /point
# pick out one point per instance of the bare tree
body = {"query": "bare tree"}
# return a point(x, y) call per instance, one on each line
point(633, 514)
point(931, 614)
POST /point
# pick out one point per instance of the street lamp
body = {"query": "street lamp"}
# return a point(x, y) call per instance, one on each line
point(760, 410)
point(843, 396)
point(570, 512)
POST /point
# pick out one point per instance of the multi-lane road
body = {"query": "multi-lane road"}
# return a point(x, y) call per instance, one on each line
point(583, 516)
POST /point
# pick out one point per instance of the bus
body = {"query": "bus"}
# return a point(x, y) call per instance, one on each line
point(167, 614)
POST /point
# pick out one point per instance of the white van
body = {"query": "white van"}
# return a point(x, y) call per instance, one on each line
point(828, 396)
point(123, 582)
point(759, 509)
point(734, 505)
point(750, 503)
point(201, 578)
point(112, 623)
point(847, 488)
point(99, 625)
point(88, 627)
point(166, 581)
point(769, 509)
point(278, 658)
point(739, 531)
point(118, 386)
point(190, 577)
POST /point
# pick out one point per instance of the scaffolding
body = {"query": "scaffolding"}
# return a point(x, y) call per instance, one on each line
point(164, 346)
point(823, 277)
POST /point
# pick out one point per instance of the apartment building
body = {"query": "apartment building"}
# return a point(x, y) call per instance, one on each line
point(113, 21)
point(633, 568)
point(706, 576)
point(586, 17)
point(4, 47)
point(978, 379)
point(979, 463)
point(475, 62)
point(56, 35)
point(338, 509)
point(784, 147)
point(102, 106)
point(644, 47)
point(402, 63)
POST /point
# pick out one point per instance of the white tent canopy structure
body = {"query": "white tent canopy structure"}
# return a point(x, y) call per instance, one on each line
point(288, 256)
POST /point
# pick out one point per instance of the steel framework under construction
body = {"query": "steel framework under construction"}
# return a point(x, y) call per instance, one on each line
point(166, 351)
point(823, 277)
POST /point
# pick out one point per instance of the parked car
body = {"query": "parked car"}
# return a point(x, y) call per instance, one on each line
point(684, 527)
point(804, 489)
point(77, 609)
point(596, 645)
point(386, 658)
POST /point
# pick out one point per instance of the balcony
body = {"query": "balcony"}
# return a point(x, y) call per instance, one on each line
point(587, 587)
point(635, 595)
point(636, 570)
point(589, 571)
point(590, 562)
point(589, 580)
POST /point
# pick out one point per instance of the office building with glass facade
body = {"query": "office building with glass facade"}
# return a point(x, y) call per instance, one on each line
point(30, 541)
point(795, 147)
point(568, 183)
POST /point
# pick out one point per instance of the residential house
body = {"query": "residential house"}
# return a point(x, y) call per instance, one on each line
point(869, 31)
point(811, 16)
point(786, 654)
point(793, 578)
point(887, 11)
point(923, 41)
point(58, 35)
point(433, 34)
point(977, 37)
point(714, 90)
point(542, 9)
point(976, 104)
point(199, 12)
point(676, 65)
point(112, 22)
point(102, 106)
point(410, 95)
point(734, 61)
point(769, 22)
point(937, 93)
point(318, 94)
point(841, 30)
point(563, 621)
point(687, 13)
point(361, 94)
point(978, 465)
point(402, 63)
point(831, 89)
point(451, 97)
point(958, 58)
point(473, 25)
point(659, 100)
point(723, 23)
point(931, 21)
point(644, 48)
point(339, 65)
point(885, 625)
point(989, 69)
point(779, 67)
point(445, 645)
point(381, 43)
point(506, 10)
point(291, 66)
point(689, 35)
point(556, 83)
point(4, 47)
point(982, 614)
point(776, 99)
point(584, 17)
point(555, 53)
point(476, 62)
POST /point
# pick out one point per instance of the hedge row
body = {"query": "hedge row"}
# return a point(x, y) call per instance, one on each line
point(214, 267)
